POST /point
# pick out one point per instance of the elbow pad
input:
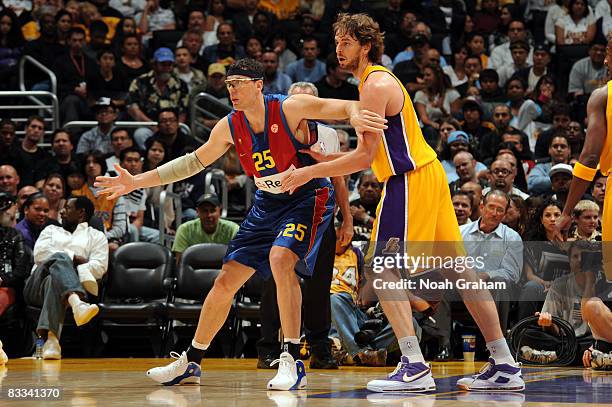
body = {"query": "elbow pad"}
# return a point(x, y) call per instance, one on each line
point(180, 168)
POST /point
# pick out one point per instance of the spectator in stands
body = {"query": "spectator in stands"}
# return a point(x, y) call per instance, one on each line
point(157, 90)
point(215, 15)
point(490, 92)
point(589, 73)
point(128, 8)
point(538, 274)
point(253, 48)
point(275, 81)
point(131, 61)
point(524, 111)
point(226, 52)
point(9, 179)
point(70, 260)
point(456, 69)
point(364, 208)
point(135, 201)
point(243, 20)
point(208, 228)
point(11, 46)
point(112, 212)
point(8, 143)
point(22, 195)
point(561, 117)
point(577, 26)
point(465, 167)
point(120, 140)
point(398, 40)
point(541, 61)
point(263, 26)
point(474, 124)
point(585, 216)
point(98, 31)
point(153, 18)
point(409, 70)
point(99, 138)
point(15, 264)
point(504, 267)
point(334, 83)
point(501, 55)
point(108, 81)
point(308, 68)
point(462, 203)
point(216, 83)
point(598, 192)
point(44, 49)
point(346, 314)
point(31, 157)
point(560, 179)
point(508, 152)
point(575, 137)
point(559, 151)
point(62, 147)
point(75, 179)
point(193, 42)
point(473, 67)
point(196, 26)
point(474, 190)
point(488, 18)
point(476, 44)
point(519, 51)
point(36, 211)
point(193, 77)
point(457, 141)
point(516, 215)
point(502, 177)
point(285, 55)
point(54, 189)
point(156, 154)
point(72, 71)
point(171, 134)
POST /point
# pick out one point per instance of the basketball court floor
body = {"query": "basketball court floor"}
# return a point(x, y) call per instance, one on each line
point(236, 382)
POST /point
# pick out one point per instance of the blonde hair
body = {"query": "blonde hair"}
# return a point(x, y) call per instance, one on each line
point(365, 30)
point(585, 205)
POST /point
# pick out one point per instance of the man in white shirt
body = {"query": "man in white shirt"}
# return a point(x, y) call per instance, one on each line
point(69, 260)
point(501, 55)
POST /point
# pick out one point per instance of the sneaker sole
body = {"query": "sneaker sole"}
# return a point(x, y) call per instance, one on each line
point(376, 389)
point(493, 389)
point(93, 311)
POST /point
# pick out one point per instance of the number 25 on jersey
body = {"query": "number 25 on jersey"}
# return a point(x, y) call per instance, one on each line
point(263, 160)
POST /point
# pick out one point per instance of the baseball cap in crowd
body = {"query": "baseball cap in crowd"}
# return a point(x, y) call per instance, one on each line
point(519, 45)
point(216, 68)
point(541, 47)
point(102, 103)
point(471, 104)
point(163, 54)
point(458, 136)
point(560, 169)
point(6, 201)
point(210, 199)
point(489, 75)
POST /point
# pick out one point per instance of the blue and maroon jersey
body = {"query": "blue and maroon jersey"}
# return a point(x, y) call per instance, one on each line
point(267, 155)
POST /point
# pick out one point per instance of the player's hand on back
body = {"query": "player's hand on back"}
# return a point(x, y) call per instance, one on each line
point(562, 228)
point(114, 187)
point(367, 121)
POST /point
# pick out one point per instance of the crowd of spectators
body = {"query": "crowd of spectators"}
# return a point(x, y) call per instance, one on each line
point(499, 88)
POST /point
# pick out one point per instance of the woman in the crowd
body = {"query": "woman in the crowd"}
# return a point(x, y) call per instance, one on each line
point(524, 111)
point(578, 26)
point(254, 48)
point(11, 46)
point(54, 190)
point(36, 211)
point(516, 215)
point(155, 155)
point(539, 270)
point(447, 126)
point(131, 61)
point(436, 101)
point(544, 95)
point(126, 26)
point(456, 69)
point(63, 20)
point(112, 212)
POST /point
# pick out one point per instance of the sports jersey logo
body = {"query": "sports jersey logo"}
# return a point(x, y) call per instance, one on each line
point(392, 246)
point(274, 128)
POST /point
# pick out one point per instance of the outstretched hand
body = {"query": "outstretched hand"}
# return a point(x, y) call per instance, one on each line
point(295, 179)
point(114, 187)
point(562, 228)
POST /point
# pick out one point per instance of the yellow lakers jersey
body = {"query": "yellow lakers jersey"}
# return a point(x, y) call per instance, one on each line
point(346, 273)
point(605, 161)
point(403, 147)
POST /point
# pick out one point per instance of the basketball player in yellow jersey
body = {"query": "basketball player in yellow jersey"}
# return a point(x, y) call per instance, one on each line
point(597, 149)
point(415, 206)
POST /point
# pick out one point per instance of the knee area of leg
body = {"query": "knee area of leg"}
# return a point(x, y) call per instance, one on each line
point(223, 285)
point(592, 309)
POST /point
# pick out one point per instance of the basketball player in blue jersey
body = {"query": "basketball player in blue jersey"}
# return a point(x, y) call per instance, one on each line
point(279, 230)
point(415, 207)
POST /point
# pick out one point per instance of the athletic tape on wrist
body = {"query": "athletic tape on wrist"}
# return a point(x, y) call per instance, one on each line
point(583, 172)
point(180, 168)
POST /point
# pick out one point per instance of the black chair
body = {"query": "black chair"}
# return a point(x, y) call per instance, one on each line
point(165, 38)
point(136, 292)
point(199, 267)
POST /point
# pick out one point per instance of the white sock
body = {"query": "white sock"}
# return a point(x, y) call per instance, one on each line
point(500, 352)
point(409, 345)
point(292, 340)
point(74, 300)
point(197, 345)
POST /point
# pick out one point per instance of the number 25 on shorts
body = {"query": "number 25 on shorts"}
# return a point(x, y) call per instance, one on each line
point(297, 232)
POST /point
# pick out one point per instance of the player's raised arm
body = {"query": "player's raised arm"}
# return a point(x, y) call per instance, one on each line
point(178, 169)
point(586, 167)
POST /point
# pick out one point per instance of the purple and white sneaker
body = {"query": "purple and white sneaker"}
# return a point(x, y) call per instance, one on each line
point(492, 377)
point(407, 377)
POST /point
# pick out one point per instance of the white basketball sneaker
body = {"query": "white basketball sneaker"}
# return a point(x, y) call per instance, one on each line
point(84, 312)
point(495, 377)
point(407, 377)
point(181, 371)
point(599, 360)
point(291, 374)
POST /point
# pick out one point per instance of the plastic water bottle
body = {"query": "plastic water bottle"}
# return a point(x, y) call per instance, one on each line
point(40, 342)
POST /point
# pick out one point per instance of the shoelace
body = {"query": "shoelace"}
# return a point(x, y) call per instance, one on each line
point(397, 369)
point(176, 356)
point(284, 366)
